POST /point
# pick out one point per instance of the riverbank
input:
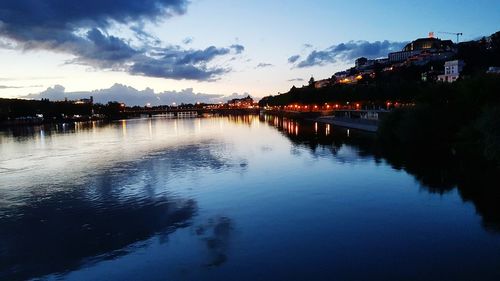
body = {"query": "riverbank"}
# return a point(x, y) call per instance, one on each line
point(328, 117)
point(359, 124)
point(41, 121)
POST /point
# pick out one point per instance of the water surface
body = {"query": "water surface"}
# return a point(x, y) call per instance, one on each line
point(230, 198)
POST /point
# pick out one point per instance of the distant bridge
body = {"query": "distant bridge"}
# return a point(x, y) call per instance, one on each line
point(199, 111)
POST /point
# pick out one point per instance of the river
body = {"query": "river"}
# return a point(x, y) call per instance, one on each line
point(230, 198)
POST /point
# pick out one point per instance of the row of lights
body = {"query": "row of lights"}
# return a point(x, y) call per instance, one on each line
point(327, 106)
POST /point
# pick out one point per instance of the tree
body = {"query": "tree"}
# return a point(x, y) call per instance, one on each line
point(311, 82)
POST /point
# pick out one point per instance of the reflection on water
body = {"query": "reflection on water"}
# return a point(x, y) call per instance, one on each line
point(236, 198)
point(435, 170)
point(100, 216)
point(216, 234)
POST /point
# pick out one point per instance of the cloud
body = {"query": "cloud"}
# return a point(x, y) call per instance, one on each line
point(187, 40)
point(296, 80)
point(264, 65)
point(317, 58)
point(293, 59)
point(84, 30)
point(142, 35)
point(347, 52)
point(237, 48)
point(2, 87)
point(163, 68)
point(132, 96)
point(236, 96)
point(193, 57)
point(29, 78)
point(5, 44)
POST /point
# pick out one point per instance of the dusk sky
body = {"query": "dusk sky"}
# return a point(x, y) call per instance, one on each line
point(213, 47)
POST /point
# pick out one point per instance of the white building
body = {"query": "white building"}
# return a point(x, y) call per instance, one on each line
point(452, 71)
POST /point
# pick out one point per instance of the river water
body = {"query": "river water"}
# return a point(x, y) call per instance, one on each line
point(229, 198)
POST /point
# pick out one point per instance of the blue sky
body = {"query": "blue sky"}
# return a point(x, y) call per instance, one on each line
point(211, 47)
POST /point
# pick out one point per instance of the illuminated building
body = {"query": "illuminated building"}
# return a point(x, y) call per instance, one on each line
point(452, 71)
point(241, 103)
point(431, 45)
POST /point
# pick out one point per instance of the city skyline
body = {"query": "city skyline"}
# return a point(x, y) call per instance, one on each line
point(211, 48)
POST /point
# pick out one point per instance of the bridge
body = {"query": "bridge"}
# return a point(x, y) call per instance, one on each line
point(176, 111)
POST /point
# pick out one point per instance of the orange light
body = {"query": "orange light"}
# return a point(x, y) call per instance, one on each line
point(359, 77)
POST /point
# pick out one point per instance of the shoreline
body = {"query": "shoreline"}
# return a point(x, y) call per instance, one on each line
point(40, 122)
point(358, 124)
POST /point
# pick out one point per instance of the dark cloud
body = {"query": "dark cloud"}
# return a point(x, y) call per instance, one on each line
point(293, 59)
point(238, 48)
point(317, 58)
point(162, 68)
point(107, 48)
point(83, 30)
point(264, 65)
point(132, 96)
point(193, 57)
point(143, 36)
point(347, 52)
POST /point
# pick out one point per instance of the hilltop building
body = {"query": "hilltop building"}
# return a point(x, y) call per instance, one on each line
point(424, 49)
point(368, 64)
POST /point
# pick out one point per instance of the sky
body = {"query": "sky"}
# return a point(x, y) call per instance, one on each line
point(209, 50)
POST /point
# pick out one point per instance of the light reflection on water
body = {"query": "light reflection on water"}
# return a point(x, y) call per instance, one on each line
point(227, 198)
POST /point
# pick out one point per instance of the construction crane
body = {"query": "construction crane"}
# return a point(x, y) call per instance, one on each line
point(458, 34)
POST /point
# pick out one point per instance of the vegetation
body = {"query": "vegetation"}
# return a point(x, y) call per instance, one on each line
point(461, 118)
point(18, 108)
point(14, 109)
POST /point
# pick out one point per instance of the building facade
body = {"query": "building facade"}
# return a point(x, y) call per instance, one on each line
point(241, 103)
point(429, 46)
point(452, 71)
